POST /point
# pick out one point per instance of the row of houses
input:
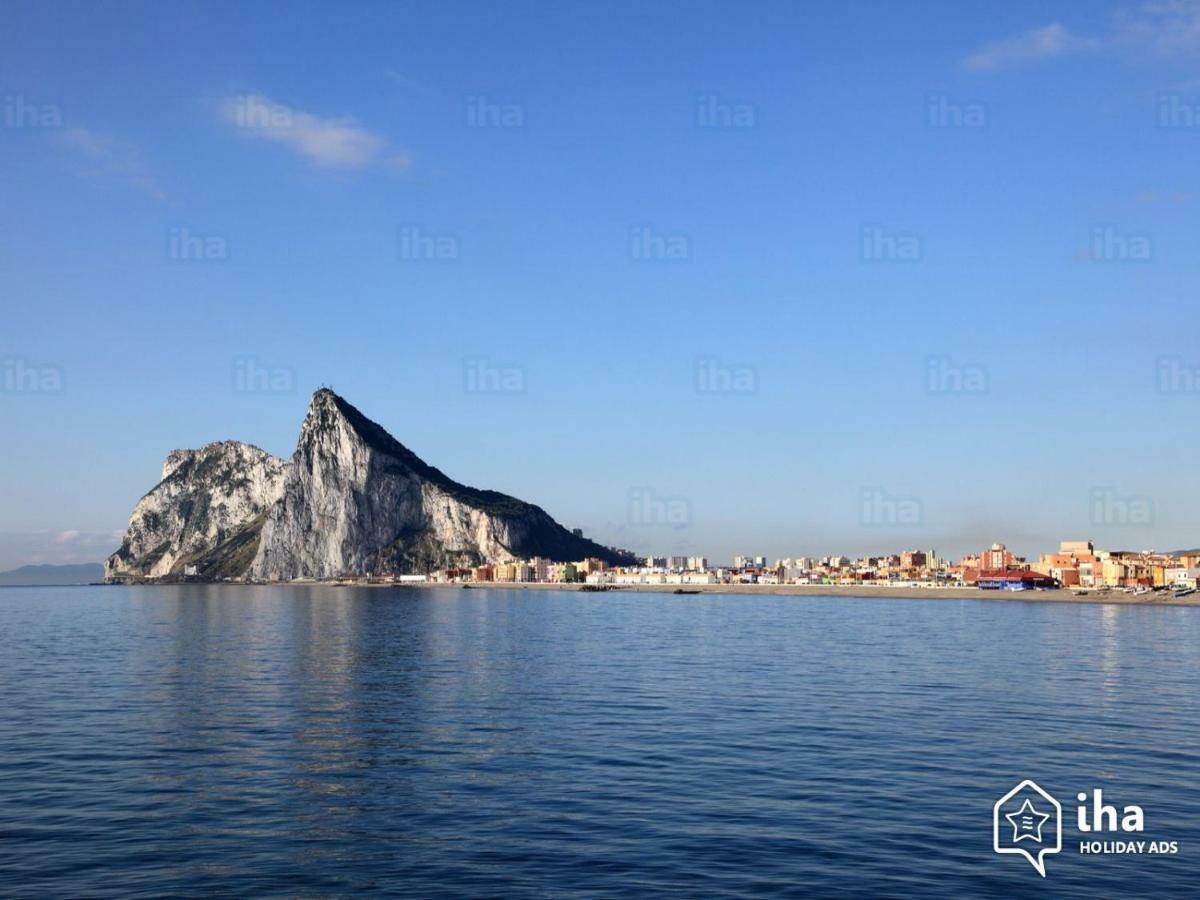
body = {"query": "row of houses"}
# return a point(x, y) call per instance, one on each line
point(1076, 563)
point(1080, 563)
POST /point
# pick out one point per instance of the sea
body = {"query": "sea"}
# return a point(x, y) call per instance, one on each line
point(441, 742)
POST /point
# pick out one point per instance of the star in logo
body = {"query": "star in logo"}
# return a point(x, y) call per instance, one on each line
point(1027, 822)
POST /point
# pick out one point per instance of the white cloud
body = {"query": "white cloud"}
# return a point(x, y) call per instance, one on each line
point(1163, 27)
point(1160, 28)
point(108, 157)
point(1041, 43)
point(330, 142)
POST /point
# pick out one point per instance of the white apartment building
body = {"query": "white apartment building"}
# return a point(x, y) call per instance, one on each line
point(692, 578)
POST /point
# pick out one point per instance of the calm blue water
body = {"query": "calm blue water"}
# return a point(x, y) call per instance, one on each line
point(321, 742)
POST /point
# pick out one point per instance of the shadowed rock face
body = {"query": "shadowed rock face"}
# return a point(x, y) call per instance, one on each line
point(352, 499)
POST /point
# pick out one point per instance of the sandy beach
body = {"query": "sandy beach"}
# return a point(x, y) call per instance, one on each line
point(1117, 598)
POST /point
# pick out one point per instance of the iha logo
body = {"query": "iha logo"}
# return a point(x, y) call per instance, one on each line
point(1027, 821)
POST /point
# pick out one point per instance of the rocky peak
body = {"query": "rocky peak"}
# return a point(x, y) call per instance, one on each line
point(333, 422)
point(216, 455)
point(353, 500)
point(323, 415)
point(330, 414)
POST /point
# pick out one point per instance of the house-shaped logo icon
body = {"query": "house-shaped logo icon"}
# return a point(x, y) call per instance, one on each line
point(1027, 821)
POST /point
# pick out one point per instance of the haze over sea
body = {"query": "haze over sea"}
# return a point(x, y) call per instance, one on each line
point(333, 741)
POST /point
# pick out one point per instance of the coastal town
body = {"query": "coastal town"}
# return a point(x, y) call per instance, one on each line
point(1077, 565)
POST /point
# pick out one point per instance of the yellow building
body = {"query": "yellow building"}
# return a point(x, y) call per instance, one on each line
point(1114, 571)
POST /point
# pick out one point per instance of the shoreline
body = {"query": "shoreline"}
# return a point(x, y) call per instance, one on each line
point(1059, 595)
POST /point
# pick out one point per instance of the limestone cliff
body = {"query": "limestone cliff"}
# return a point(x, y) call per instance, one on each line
point(352, 500)
point(206, 499)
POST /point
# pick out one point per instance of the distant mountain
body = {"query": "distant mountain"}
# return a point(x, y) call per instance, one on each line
point(352, 500)
point(41, 576)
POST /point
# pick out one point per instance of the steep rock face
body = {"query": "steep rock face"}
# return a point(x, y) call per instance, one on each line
point(206, 499)
point(356, 500)
point(352, 500)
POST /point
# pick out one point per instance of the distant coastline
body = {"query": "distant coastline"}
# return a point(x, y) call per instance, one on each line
point(53, 576)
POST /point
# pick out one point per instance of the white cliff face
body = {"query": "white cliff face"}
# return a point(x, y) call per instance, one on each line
point(352, 500)
point(355, 502)
point(455, 524)
point(205, 497)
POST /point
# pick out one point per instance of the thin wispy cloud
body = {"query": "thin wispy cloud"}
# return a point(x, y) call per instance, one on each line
point(327, 142)
point(1039, 44)
point(1177, 199)
point(1161, 28)
point(107, 157)
point(406, 83)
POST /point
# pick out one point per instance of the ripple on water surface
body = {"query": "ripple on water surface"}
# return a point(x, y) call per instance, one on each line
point(459, 743)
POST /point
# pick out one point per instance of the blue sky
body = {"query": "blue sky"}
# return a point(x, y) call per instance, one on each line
point(692, 276)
